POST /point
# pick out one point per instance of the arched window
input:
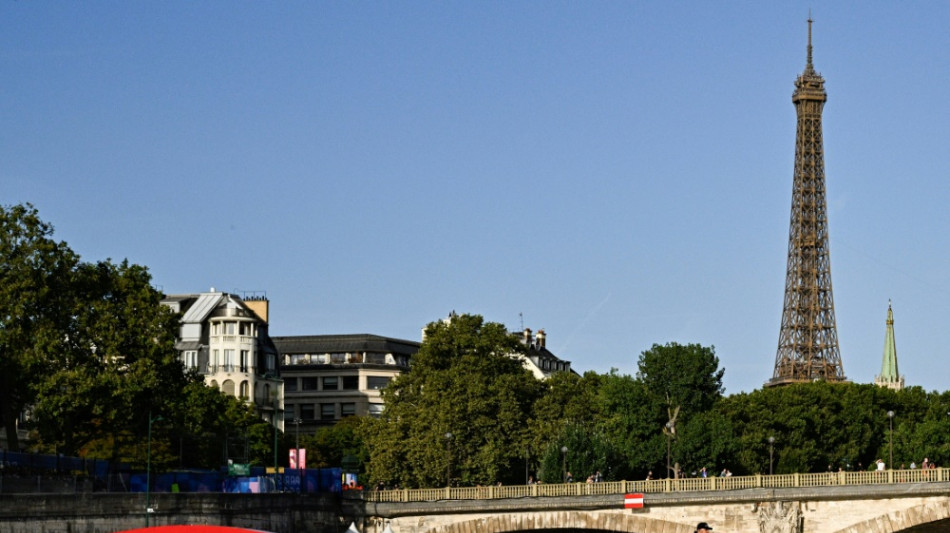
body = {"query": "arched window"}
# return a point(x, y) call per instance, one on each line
point(245, 387)
point(228, 387)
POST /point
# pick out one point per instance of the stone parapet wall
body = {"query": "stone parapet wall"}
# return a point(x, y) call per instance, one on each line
point(111, 512)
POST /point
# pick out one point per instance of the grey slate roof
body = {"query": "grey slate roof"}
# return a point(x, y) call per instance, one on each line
point(359, 342)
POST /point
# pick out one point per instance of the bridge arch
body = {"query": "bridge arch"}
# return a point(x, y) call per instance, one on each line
point(931, 513)
point(567, 520)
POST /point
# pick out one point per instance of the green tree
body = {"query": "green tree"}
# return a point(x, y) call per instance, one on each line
point(119, 362)
point(588, 451)
point(35, 275)
point(463, 409)
point(566, 399)
point(329, 445)
point(632, 421)
point(685, 376)
point(682, 381)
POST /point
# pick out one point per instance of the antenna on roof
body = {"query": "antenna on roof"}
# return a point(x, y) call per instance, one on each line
point(521, 316)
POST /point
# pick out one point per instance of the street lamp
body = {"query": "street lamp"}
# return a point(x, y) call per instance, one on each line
point(526, 457)
point(771, 450)
point(890, 439)
point(448, 465)
point(148, 465)
point(564, 463)
point(297, 422)
point(669, 436)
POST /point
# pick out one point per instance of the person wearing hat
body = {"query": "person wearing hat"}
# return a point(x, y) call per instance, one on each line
point(703, 527)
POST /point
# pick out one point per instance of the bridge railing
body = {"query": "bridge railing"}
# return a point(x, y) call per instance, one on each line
point(821, 479)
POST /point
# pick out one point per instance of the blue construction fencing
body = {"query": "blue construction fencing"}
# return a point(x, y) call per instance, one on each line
point(310, 480)
point(30, 463)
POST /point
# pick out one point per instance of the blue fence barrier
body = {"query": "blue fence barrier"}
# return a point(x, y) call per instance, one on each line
point(19, 461)
point(310, 480)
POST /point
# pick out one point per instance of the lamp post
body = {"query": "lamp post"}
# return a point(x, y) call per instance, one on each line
point(448, 464)
point(564, 463)
point(148, 465)
point(890, 439)
point(771, 450)
point(669, 436)
point(526, 457)
point(297, 422)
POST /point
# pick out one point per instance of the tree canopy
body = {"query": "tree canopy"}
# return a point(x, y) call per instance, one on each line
point(461, 413)
point(89, 350)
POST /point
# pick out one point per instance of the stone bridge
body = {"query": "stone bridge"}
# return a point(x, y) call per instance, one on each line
point(891, 504)
point(858, 502)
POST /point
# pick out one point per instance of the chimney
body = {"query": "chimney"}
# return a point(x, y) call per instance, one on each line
point(260, 308)
point(527, 336)
point(541, 338)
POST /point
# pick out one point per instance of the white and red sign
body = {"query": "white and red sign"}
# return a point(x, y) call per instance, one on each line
point(633, 501)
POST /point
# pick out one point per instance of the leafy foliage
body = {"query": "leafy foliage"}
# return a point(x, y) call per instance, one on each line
point(462, 412)
point(91, 350)
point(35, 275)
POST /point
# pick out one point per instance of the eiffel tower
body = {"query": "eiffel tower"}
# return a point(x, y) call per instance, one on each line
point(808, 340)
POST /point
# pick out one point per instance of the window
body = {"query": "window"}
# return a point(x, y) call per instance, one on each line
point(330, 383)
point(244, 389)
point(351, 382)
point(229, 328)
point(290, 385)
point(308, 383)
point(244, 328)
point(327, 411)
point(347, 409)
point(306, 411)
point(298, 359)
point(375, 409)
point(214, 360)
point(244, 358)
point(215, 330)
point(228, 360)
point(190, 359)
point(320, 359)
point(289, 412)
point(337, 357)
point(377, 382)
point(377, 358)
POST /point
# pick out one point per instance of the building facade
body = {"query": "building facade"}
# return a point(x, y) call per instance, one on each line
point(224, 338)
point(330, 377)
point(537, 358)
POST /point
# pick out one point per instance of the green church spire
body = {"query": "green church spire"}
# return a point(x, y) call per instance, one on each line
point(889, 377)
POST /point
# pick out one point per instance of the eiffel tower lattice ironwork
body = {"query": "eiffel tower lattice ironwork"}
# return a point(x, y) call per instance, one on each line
point(808, 341)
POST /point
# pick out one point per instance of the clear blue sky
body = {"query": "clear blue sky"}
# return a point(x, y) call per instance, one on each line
point(619, 173)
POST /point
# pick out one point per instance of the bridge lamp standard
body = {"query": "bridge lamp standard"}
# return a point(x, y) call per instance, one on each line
point(890, 439)
point(448, 466)
point(148, 465)
point(564, 463)
point(771, 452)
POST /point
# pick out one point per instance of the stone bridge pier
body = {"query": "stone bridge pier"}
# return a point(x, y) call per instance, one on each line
point(910, 508)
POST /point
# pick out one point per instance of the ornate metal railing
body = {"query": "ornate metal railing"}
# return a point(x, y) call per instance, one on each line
point(824, 479)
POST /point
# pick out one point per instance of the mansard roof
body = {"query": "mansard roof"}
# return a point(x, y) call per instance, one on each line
point(347, 343)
